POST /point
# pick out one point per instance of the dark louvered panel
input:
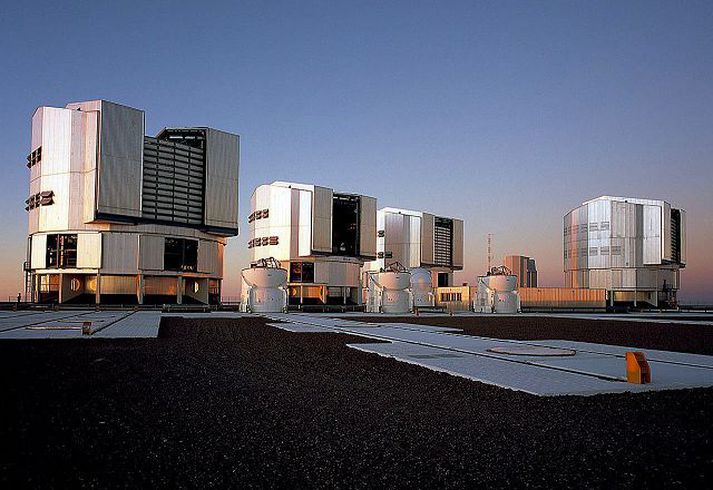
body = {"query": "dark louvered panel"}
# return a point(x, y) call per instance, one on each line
point(173, 182)
point(443, 242)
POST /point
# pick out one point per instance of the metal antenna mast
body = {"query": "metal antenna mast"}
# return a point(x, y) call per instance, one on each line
point(490, 254)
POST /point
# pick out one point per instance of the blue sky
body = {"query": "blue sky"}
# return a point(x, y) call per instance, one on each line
point(507, 114)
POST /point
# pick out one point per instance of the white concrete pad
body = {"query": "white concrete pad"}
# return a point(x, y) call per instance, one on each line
point(136, 325)
point(595, 368)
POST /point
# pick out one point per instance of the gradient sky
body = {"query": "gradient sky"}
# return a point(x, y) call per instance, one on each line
point(506, 114)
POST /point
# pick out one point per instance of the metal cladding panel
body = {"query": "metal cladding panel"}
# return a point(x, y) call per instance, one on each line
point(414, 241)
point(576, 279)
point(121, 160)
point(396, 239)
point(120, 253)
point(367, 227)
point(598, 233)
point(322, 198)
point(562, 298)
point(38, 255)
point(427, 239)
point(151, 250)
point(336, 273)
point(89, 250)
point(301, 241)
point(684, 242)
point(457, 244)
point(208, 257)
point(221, 187)
point(652, 231)
point(600, 279)
point(278, 202)
point(576, 239)
point(52, 173)
point(666, 233)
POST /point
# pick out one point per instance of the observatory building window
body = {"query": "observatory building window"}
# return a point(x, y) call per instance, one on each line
point(345, 225)
point(443, 280)
point(180, 255)
point(62, 251)
point(302, 272)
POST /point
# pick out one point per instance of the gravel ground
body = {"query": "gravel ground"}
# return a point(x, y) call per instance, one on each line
point(680, 337)
point(235, 403)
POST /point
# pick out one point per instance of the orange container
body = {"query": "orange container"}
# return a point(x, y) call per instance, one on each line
point(637, 368)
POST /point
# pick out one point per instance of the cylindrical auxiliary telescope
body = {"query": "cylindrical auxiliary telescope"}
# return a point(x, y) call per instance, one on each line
point(421, 287)
point(497, 292)
point(264, 287)
point(389, 290)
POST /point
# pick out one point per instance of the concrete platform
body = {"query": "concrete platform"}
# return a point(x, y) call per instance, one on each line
point(593, 369)
point(67, 324)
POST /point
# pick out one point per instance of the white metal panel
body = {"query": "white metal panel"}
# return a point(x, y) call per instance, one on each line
point(322, 202)
point(151, 251)
point(221, 186)
point(336, 273)
point(666, 235)
point(38, 255)
point(367, 227)
point(303, 222)
point(89, 175)
point(653, 244)
point(120, 253)
point(208, 257)
point(121, 160)
point(414, 241)
point(89, 250)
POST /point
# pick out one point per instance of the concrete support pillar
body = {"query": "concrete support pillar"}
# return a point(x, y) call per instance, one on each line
point(140, 288)
point(60, 296)
point(34, 296)
point(179, 290)
point(98, 292)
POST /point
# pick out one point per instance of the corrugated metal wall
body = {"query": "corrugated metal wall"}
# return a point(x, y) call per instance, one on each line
point(367, 228)
point(322, 219)
point(121, 159)
point(562, 298)
point(427, 248)
point(151, 251)
point(457, 244)
point(221, 188)
point(120, 253)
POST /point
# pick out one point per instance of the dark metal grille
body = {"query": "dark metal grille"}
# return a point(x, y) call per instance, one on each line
point(443, 242)
point(676, 236)
point(173, 182)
